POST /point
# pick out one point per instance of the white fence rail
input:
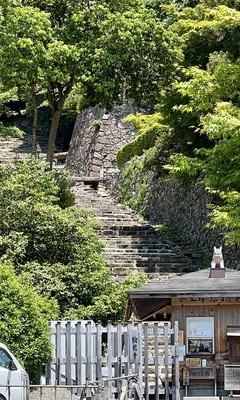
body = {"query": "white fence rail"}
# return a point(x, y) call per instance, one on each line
point(128, 360)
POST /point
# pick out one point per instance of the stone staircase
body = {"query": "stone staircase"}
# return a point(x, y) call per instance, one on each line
point(11, 148)
point(132, 244)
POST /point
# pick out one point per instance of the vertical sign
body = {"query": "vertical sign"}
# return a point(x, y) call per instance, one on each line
point(185, 377)
point(134, 346)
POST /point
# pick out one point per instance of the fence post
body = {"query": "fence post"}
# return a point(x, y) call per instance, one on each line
point(89, 352)
point(166, 358)
point(130, 328)
point(78, 353)
point(156, 367)
point(68, 353)
point(140, 361)
point(176, 361)
point(109, 355)
point(99, 351)
point(58, 353)
point(145, 331)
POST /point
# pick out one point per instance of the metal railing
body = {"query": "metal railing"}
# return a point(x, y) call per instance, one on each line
point(98, 390)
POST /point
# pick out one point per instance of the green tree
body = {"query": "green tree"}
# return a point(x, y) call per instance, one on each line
point(25, 33)
point(54, 248)
point(111, 304)
point(205, 30)
point(201, 109)
point(58, 246)
point(218, 165)
point(109, 49)
point(24, 320)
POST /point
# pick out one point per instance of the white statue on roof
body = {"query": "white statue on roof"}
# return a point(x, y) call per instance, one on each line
point(217, 261)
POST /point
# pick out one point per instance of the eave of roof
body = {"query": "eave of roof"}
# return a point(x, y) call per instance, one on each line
point(192, 284)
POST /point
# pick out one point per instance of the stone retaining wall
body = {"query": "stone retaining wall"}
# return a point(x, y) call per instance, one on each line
point(97, 137)
point(183, 208)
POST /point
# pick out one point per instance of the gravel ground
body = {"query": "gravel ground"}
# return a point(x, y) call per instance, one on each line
point(51, 394)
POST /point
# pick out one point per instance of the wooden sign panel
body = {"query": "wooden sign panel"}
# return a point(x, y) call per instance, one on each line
point(202, 373)
point(232, 377)
point(185, 377)
point(134, 347)
point(193, 362)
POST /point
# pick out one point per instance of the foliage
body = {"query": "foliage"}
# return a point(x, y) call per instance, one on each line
point(31, 180)
point(75, 102)
point(206, 30)
point(148, 129)
point(213, 93)
point(134, 178)
point(42, 236)
point(200, 111)
point(5, 97)
point(52, 245)
point(24, 320)
point(226, 216)
point(73, 283)
point(107, 50)
point(137, 53)
point(111, 305)
point(183, 168)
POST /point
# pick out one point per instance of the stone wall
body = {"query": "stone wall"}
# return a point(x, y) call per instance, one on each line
point(97, 137)
point(183, 208)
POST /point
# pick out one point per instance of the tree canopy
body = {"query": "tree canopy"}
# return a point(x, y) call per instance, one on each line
point(177, 59)
point(50, 260)
point(24, 320)
point(109, 50)
point(200, 111)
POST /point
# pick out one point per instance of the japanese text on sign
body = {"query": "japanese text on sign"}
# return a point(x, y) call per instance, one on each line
point(134, 346)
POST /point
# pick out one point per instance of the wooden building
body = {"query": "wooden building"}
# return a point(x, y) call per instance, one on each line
point(206, 304)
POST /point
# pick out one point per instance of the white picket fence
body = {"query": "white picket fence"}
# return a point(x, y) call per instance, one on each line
point(126, 360)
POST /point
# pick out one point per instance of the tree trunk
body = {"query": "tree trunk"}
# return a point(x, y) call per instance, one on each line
point(57, 104)
point(52, 136)
point(35, 120)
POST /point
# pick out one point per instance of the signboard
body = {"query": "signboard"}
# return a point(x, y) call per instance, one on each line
point(179, 351)
point(231, 377)
point(200, 327)
point(134, 346)
point(202, 373)
point(185, 377)
point(193, 362)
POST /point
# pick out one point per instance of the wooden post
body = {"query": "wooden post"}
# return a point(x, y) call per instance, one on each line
point(99, 351)
point(130, 371)
point(140, 360)
point(155, 336)
point(58, 354)
point(119, 348)
point(176, 362)
point(78, 354)
point(166, 359)
point(68, 353)
point(109, 355)
point(145, 331)
point(89, 348)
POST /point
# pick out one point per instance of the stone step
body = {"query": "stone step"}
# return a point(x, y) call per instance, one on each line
point(134, 241)
point(142, 229)
point(147, 250)
point(132, 244)
point(143, 256)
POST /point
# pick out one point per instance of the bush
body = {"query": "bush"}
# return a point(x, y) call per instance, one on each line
point(24, 320)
